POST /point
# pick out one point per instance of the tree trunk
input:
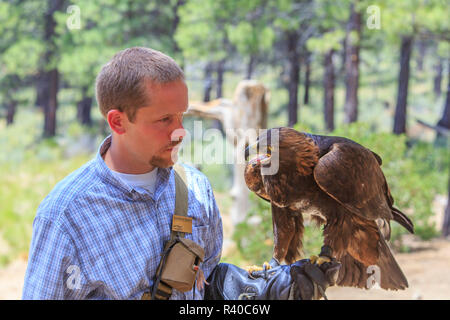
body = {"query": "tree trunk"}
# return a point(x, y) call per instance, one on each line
point(249, 111)
point(352, 65)
point(10, 111)
point(250, 67)
point(343, 56)
point(437, 80)
point(176, 22)
point(403, 79)
point(41, 89)
point(446, 225)
point(84, 108)
point(328, 85)
point(422, 48)
point(52, 104)
point(51, 76)
point(294, 77)
point(445, 120)
point(208, 82)
point(216, 124)
point(220, 74)
point(307, 78)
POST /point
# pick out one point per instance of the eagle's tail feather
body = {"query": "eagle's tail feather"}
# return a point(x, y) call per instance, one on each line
point(391, 275)
point(352, 273)
point(402, 219)
point(386, 272)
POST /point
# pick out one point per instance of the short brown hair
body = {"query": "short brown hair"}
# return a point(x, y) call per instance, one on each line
point(121, 83)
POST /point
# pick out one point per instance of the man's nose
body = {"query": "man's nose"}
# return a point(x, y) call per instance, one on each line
point(178, 134)
point(179, 123)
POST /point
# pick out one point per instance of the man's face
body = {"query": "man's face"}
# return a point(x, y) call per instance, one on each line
point(151, 138)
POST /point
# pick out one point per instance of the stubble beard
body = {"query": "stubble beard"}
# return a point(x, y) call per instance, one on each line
point(163, 162)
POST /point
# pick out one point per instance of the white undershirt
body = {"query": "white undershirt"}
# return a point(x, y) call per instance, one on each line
point(145, 180)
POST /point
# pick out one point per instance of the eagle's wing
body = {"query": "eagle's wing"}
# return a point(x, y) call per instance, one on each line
point(287, 234)
point(351, 175)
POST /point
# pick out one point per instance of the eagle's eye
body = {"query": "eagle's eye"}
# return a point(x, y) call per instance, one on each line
point(266, 150)
point(258, 154)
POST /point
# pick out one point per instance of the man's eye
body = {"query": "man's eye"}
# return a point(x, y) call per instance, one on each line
point(165, 119)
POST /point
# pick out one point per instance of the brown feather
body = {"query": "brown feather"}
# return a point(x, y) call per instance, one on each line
point(340, 184)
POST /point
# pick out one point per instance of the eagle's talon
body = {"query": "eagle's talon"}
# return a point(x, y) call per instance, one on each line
point(318, 259)
point(323, 259)
point(253, 268)
point(313, 258)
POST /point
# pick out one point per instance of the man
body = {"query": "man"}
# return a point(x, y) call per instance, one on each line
point(100, 232)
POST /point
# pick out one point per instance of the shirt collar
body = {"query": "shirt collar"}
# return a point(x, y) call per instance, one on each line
point(162, 180)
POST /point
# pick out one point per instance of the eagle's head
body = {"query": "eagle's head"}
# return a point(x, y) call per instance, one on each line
point(287, 150)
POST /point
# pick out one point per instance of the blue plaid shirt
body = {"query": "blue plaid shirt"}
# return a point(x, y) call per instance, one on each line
point(94, 237)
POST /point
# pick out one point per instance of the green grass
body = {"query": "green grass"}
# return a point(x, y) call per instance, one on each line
point(21, 191)
point(29, 169)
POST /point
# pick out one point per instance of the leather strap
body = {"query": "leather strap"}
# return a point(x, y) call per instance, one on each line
point(164, 291)
point(181, 196)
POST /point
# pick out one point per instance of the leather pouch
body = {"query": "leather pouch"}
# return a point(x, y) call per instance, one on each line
point(182, 264)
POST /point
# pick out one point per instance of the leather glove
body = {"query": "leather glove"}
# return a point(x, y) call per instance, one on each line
point(301, 280)
point(310, 280)
point(229, 282)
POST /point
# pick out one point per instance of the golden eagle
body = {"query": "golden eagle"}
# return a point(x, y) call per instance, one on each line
point(340, 184)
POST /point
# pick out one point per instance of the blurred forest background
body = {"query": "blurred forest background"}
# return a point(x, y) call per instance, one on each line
point(374, 71)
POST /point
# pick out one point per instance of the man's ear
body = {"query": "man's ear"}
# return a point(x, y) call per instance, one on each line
point(116, 120)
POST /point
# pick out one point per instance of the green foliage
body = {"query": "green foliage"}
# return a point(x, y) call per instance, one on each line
point(254, 236)
point(249, 39)
point(18, 60)
point(330, 15)
point(201, 31)
point(330, 41)
point(29, 169)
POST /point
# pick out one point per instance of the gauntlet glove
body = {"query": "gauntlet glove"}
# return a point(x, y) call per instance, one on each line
point(301, 280)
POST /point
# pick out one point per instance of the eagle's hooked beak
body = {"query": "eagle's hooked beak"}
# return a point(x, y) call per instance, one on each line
point(256, 156)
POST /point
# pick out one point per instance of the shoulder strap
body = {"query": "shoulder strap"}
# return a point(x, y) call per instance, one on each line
point(162, 291)
point(181, 195)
